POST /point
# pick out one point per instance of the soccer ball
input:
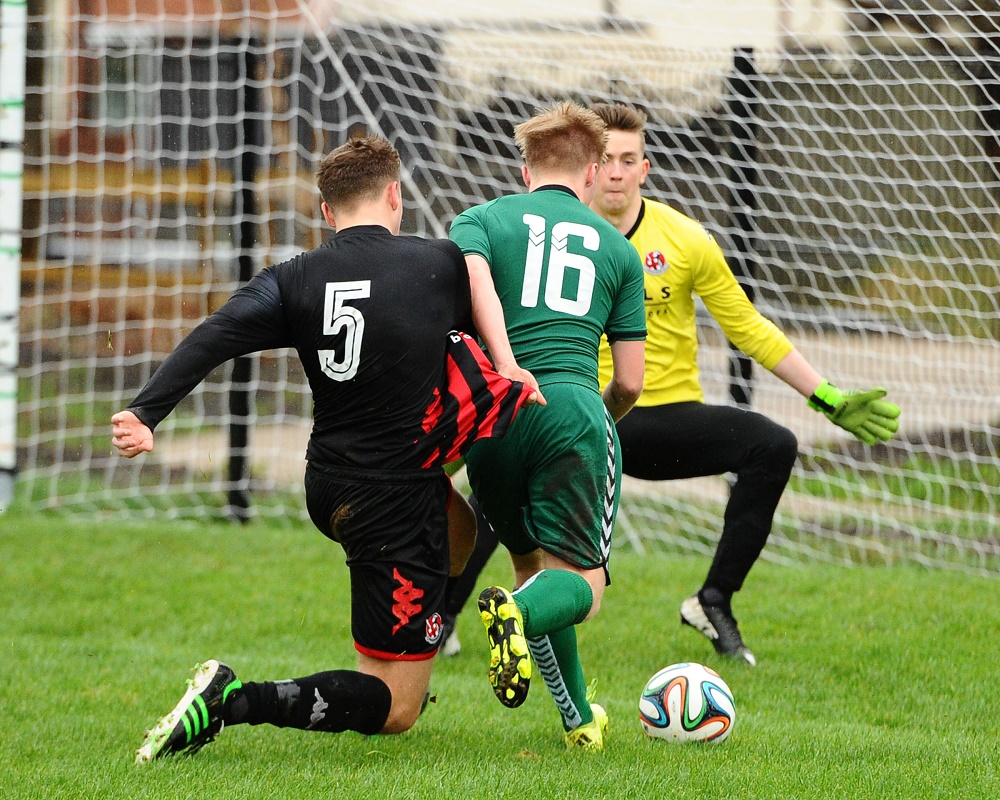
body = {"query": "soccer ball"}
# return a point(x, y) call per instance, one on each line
point(687, 703)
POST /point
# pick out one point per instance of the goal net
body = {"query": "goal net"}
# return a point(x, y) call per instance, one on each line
point(844, 154)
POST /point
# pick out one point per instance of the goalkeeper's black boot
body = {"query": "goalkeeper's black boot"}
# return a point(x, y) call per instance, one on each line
point(196, 719)
point(717, 623)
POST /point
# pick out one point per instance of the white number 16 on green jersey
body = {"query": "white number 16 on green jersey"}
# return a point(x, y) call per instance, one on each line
point(560, 260)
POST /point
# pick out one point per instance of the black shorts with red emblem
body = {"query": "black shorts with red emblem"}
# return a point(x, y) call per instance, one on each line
point(393, 526)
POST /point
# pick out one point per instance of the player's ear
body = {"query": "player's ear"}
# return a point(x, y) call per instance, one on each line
point(526, 175)
point(395, 196)
point(645, 171)
point(327, 214)
point(592, 171)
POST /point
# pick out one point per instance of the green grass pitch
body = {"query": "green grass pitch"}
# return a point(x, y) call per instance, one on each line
point(871, 683)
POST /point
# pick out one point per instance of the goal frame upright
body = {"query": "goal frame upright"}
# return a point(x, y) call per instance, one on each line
point(13, 48)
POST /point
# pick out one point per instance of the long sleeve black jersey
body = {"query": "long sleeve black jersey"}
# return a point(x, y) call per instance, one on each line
point(369, 314)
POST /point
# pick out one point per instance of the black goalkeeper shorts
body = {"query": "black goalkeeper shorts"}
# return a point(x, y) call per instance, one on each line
point(393, 527)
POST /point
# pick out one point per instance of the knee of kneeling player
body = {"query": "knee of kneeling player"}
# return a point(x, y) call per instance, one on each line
point(402, 716)
point(399, 723)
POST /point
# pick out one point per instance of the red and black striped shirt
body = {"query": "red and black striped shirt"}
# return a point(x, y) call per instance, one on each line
point(476, 402)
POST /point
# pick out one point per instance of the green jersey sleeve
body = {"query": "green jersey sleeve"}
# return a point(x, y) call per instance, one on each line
point(469, 232)
point(627, 322)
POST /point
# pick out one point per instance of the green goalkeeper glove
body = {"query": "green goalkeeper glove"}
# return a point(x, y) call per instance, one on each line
point(863, 413)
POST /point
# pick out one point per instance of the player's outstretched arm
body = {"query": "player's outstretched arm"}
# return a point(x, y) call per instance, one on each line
point(487, 314)
point(862, 413)
point(130, 435)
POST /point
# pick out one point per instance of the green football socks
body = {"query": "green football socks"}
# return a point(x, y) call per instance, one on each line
point(552, 600)
point(557, 660)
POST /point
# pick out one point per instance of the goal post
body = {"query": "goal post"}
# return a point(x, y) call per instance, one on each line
point(859, 185)
point(13, 31)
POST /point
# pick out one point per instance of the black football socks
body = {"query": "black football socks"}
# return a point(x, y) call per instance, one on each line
point(335, 701)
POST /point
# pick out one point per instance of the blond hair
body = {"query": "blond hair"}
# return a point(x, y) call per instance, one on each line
point(564, 137)
point(619, 117)
point(356, 171)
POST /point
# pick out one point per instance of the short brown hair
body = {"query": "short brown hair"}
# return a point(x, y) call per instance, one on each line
point(358, 170)
point(565, 136)
point(619, 117)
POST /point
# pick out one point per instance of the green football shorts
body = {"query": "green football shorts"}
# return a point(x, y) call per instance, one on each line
point(554, 481)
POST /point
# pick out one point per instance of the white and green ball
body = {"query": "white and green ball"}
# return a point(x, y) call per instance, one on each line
point(687, 702)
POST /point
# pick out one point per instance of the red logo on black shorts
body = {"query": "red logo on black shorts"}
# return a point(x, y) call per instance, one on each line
point(404, 608)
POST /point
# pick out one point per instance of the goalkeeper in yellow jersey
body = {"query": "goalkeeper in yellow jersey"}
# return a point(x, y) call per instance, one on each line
point(671, 432)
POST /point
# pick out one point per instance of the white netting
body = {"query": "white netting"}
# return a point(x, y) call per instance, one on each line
point(868, 164)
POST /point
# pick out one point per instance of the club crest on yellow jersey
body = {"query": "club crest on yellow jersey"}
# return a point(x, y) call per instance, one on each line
point(655, 263)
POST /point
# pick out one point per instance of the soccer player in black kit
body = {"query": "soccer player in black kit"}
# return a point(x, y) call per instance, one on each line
point(397, 393)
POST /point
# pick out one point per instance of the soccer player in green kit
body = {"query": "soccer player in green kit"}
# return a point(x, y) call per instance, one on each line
point(563, 277)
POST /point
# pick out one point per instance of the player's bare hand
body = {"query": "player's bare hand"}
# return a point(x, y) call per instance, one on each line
point(516, 373)
point(130, 435)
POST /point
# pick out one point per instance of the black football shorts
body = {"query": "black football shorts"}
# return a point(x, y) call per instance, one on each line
point(393, 527)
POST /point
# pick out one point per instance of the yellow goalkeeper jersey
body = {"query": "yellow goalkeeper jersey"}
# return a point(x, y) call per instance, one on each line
point(682, 260)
